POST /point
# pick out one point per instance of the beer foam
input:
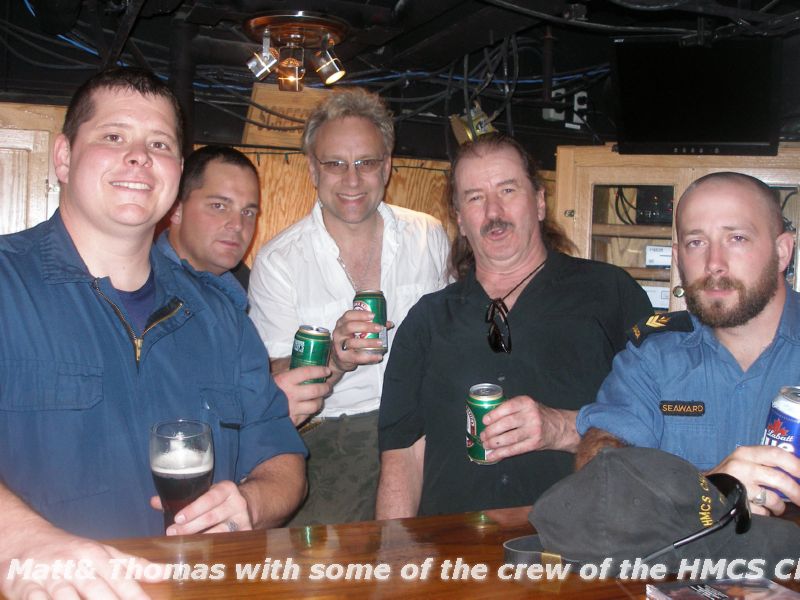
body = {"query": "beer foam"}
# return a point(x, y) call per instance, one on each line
point(183, 461)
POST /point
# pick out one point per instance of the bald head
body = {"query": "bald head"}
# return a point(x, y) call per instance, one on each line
point(754, 189)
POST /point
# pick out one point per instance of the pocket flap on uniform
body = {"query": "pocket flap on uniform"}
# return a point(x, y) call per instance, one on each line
point(223, 401)
point(27, 384)
point(691, 439)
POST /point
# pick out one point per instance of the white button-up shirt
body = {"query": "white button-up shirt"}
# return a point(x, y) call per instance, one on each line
point(297, 280)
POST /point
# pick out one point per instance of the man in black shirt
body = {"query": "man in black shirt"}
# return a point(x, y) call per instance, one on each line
point(568, 317)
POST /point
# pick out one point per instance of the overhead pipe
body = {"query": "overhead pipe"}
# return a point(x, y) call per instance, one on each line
point(181, 74)
point(547, 64)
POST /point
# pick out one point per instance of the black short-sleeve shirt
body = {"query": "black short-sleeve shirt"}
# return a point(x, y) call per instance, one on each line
point(566, 326)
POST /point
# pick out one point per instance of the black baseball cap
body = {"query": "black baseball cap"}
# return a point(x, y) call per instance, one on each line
point(628, 503)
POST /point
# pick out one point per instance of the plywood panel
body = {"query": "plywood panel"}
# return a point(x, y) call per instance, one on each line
point(286, 194)
point(278, 131)
point(421, 185)
point(46, 117)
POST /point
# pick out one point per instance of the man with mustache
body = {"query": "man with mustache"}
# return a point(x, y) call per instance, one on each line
point(568, 317)
point(211, 227)
point(703, 387)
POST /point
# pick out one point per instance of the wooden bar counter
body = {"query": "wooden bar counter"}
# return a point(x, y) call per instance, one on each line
point(382, 548)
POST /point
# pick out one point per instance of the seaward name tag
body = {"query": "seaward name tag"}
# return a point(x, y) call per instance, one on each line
point(675, 408)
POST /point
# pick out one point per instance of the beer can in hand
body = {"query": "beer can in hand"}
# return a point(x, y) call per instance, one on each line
point(375, 302)
point(311, 347)
point(783, 423)
point(483, 398)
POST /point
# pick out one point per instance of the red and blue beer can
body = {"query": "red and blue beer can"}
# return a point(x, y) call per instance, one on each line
point(783, 422)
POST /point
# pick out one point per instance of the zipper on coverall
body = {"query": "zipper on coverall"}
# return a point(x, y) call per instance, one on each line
point(136, 340)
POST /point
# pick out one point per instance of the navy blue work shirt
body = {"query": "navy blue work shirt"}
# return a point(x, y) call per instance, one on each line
point(684, 392)
point(77, 398)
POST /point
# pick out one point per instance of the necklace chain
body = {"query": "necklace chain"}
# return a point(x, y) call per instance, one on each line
point(524, 279)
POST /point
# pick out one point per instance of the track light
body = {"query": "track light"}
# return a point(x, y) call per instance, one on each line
point(290, 68)
point(263, 63)
point(327, 65)
point(291, 40)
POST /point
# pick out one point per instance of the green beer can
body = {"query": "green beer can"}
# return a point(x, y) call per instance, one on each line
point(483, 397)
point(312, 347)
point(375, 302)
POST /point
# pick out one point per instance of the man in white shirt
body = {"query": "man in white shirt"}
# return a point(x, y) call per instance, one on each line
point(308, 275)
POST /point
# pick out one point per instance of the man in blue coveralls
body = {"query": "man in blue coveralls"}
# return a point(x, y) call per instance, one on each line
point(701, 388)
point(104, 336)
point(211, 226)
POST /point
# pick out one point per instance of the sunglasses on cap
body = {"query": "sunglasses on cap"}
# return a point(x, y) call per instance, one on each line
point(739, 511)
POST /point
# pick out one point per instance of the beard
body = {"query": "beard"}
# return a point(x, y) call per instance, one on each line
point(751, 300)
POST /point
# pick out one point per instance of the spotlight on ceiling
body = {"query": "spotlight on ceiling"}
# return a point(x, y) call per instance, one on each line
point(291, 69)
point(263, 63)
point(289, 40)
point(326, 63)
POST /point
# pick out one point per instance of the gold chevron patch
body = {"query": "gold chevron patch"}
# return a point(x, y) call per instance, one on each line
point(674, 321)
point(657, 321)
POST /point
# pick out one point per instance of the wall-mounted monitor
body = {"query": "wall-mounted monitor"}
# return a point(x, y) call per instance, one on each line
point(673, 98)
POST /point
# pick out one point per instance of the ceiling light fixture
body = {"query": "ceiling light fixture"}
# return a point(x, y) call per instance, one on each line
point(289, 41)
point(263, 63)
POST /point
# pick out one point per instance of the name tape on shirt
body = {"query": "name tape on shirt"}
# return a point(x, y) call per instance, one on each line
point(675, 408)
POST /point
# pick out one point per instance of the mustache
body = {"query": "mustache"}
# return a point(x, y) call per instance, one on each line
point(495, 224)
point(715, 283)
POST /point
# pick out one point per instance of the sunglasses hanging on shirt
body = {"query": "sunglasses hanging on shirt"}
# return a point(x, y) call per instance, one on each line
point(499, 334)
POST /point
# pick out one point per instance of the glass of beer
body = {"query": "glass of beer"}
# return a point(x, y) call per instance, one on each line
point(182, 463)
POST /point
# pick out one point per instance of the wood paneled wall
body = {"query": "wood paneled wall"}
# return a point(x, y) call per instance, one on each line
point(287, 194)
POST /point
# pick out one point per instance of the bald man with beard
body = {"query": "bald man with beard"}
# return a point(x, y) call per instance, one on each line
point(702, 386)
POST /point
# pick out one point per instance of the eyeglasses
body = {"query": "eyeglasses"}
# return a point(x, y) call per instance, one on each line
point(499, 335)
point(340, 167)
point(739, 511)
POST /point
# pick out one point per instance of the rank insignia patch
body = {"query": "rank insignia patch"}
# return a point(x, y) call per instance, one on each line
point(674, 321)
point(676, 408)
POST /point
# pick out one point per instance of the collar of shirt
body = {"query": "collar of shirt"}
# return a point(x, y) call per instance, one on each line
point(555, 268)
point(61, 262)
point(226, 282)
point(324, 242)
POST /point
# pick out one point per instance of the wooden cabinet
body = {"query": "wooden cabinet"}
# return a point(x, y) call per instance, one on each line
point(28, 186)
point(616, 206)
